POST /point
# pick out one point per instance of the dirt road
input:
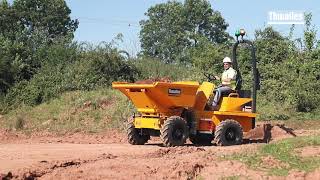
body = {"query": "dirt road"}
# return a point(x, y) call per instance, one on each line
point(109, 161)
point(72, 157)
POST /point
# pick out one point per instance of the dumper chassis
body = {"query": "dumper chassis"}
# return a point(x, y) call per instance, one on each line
point(176, 111)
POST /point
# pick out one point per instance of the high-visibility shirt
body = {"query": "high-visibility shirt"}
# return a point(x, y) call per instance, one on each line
point(229, 74)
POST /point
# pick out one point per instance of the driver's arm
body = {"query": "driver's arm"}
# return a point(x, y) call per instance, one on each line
point(226, 81)
point(231, 75)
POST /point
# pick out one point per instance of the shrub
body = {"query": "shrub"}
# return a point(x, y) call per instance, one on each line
point(69, 68)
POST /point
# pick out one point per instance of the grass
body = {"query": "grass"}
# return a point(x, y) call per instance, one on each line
point(283, 152)
point(87, 111)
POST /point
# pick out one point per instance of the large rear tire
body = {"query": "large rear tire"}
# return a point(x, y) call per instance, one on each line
point(201, 139)
point(135, 136)
point(174, 131)
point(228, 132)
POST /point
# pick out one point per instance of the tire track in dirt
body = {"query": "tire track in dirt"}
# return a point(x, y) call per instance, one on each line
point(44, 167)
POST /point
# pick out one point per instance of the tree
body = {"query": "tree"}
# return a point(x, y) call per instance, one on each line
point(202, 20)
point(51, 16)
point(7, 72)
point(310, 33)
point(207, 56)
point(173, 27)
point(8, 20)
point(272, 51)
point(27, 28)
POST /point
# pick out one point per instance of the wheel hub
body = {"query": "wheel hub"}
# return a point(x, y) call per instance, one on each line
point(177, 134)
point(230, 134)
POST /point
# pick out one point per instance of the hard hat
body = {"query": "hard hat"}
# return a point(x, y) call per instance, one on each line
point(227, 60)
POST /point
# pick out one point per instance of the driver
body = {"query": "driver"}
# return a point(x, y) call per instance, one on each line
point(228, 81)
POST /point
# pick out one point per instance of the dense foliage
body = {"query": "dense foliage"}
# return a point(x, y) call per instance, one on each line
point(173, 28)
point(27, 29)
point(39, 59)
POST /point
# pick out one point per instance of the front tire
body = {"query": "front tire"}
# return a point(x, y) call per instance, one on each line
point(174, 131)
point(135, 136)
point(228, 132)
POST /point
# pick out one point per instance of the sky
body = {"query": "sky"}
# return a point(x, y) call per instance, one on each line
point(102, 20)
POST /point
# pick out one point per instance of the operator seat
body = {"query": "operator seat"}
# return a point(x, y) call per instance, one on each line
point(238, 92)
point(235, 92)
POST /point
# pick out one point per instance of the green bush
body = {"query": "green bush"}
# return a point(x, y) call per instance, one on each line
point(69, 68)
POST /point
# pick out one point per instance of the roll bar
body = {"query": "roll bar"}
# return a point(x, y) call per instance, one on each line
point(256, 79)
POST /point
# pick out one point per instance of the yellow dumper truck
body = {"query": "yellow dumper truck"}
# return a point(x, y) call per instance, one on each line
point(176, 111)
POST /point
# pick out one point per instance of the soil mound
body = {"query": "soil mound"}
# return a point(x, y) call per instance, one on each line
point(265, 133)
point(152, 80)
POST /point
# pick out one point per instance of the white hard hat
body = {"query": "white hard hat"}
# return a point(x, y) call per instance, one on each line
point(227, 60)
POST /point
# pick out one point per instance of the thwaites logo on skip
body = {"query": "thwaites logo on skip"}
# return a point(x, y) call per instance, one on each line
point(174, 92)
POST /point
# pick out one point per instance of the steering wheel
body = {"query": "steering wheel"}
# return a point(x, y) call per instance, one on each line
point(210, 77)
